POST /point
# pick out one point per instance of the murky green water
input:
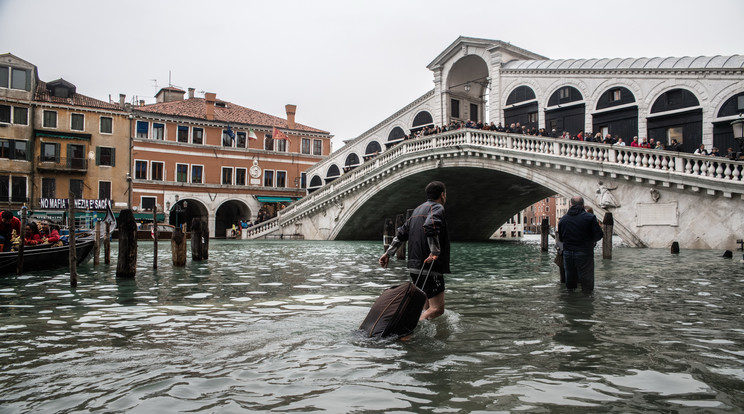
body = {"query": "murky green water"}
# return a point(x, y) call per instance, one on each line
point(269, 327)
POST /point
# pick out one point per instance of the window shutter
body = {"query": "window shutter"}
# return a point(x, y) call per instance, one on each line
point(57, 150)
point(98, 155)
point(113, 157)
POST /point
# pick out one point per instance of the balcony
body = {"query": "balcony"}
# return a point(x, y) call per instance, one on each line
point(63, 165)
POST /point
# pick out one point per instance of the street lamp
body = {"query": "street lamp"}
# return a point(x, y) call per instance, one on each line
point(738, 127)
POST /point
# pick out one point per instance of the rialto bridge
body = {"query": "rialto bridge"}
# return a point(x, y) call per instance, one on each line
point(655, 196)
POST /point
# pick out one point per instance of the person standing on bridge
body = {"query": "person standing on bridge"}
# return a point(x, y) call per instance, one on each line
point(579, 231)
point(428, 241)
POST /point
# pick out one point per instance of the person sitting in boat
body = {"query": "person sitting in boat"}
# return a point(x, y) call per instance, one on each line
point(31, 236)
point(48, 233)
point(8, 224)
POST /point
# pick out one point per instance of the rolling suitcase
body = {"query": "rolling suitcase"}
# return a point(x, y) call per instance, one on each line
point(397, 310)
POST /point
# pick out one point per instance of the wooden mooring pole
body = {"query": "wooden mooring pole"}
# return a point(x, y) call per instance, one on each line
point(199, 240)
point(71, 240)
point(388, 232)
point(400, 219)
point(126, 267)
point(19, 262)
point(544, 234)
point(607, 227)
point(97, 249)
point(107, 244)
point(178, 248)
point(155, 237)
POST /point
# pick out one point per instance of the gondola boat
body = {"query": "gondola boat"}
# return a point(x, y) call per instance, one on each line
point(46, 257)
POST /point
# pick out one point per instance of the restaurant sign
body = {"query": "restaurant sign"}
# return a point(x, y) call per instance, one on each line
point(80, 204)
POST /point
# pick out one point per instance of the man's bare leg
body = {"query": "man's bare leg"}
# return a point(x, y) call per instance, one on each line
point(434, 307)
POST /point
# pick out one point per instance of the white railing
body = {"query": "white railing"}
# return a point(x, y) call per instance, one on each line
point(702, 169)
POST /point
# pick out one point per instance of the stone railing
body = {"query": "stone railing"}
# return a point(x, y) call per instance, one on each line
point(685, 166)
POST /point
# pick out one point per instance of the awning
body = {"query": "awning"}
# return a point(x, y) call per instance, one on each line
point(262, 199)
point(147, 216)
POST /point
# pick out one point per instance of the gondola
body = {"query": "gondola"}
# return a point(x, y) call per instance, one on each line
point(46, 257)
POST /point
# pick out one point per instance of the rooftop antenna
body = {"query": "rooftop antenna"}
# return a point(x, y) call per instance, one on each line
point(154, 83)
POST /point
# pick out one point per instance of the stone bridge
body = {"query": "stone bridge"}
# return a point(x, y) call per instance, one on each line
point(655, 196)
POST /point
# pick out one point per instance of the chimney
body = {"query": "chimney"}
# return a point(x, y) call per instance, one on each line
point(142, 102)
point(209, 100)
point(122, 100)
point(291, 109)
point(191, 93)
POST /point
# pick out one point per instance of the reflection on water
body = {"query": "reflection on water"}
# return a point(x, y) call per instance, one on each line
point(270, 326)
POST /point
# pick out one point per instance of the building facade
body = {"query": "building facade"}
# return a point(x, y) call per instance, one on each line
point(207, 158)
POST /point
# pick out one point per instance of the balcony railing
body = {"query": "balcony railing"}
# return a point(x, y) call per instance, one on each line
point(62, 164)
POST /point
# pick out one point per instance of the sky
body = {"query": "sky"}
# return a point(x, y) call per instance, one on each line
point(346, 64)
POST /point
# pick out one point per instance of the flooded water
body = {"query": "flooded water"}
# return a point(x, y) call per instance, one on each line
point(270, 327)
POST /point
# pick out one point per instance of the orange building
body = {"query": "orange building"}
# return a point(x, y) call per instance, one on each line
point(214, 160)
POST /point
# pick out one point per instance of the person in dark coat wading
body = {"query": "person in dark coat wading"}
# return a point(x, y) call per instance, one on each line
point(579, 231)
point(428, 241)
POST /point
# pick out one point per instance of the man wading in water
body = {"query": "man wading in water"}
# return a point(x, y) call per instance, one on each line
point(428, 241)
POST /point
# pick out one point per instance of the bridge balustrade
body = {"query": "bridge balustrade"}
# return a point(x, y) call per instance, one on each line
point(713, 169)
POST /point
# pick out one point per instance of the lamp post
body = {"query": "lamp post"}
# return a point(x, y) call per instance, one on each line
point(738, 127)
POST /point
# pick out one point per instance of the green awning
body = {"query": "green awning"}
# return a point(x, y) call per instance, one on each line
point(263, 199)
point(148, 216)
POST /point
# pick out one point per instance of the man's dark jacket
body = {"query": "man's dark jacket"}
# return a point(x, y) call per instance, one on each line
point(579, 230)
point(427, 220)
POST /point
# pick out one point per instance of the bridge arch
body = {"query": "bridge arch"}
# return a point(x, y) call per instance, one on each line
point(315, 183)
point(396, 135)
point(332, 173)
point(566, 110)
point(616, 114)
point(352, 160)
point(522, 107)
point(726, 112)
point(676, 114)
point(421, 120)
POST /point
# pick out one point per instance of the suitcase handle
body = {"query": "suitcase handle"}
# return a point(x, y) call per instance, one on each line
point(427, 274)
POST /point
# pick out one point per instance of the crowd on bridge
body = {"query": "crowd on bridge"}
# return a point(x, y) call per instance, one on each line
point(517, 128)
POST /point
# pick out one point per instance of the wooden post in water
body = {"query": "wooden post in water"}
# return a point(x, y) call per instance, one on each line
point(178, 247)
point(19, 258)
point(675, 247)
point(126, 267)
point(607, 227)
point(97, 249)
point(388, 232)
point(196, 240)
point(107, 244)
point(400, 220)
point(155, 234)
point(205, 240)
point(71, 240)
point(544, 234)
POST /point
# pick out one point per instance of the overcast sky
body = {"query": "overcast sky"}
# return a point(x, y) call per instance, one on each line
point(347, 65)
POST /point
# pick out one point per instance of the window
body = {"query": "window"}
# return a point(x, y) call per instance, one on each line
point(77, 122)
point(281, 178)
point(18, 189)
point(303, 180)
point(226, 175)
point(240, 174)
point(5, 151)
point(76, 188)
point(142, 129)
point(675, 133)
point(615, 95)
point(182, 173)
point(197, 135)
point(147, 203)
point(564, 93)
point(4, 76)
point(140, 170)
point(455, 108)
point(5, 114)
point(105, 156)
point(156, 171)
point(305, 147)
point(4, 187)
point(76, 156)
point(104, 190)
point(20, 79)
point(50, 119)
point(21, 150)
point(48, 188)
point(20, 115)
point(158, 131)
point(317, 147)
point(227, 140)
point(241, 140)
point(197, 174)
point(268, 178)
point(532, 117)
point(107, 125)
point(281, 145)
point(49, 152)
point(474, 112)
point(268, 142)
point(183, 133)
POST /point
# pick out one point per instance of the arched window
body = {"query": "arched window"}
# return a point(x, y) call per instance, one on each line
point(316, 181)
point(397, 134)
point(563, 95)
point(674, 99)
point(422, 118)
point(333, 171)
point(520, 94)
point(352, 160)
point(614, 97)
point(372, 148)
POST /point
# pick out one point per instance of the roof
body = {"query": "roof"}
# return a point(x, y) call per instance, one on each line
point(195, 108)
point(43, 95)
point(656, 63)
